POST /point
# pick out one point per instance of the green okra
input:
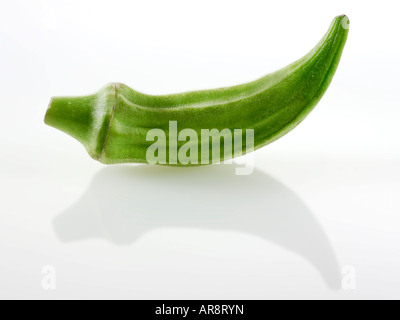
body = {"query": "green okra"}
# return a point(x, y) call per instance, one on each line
point(117, 124)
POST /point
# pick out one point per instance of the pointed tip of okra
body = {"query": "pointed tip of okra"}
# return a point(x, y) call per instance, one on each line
point(344, 20)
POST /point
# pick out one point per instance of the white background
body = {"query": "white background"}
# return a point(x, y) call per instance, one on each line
point(324, 197)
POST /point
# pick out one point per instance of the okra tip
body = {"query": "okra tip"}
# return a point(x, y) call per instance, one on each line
point(345, 21)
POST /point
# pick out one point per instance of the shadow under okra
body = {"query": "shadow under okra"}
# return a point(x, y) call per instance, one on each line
point(123, 203)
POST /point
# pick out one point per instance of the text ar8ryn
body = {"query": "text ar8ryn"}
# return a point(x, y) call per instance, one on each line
point(203, 310)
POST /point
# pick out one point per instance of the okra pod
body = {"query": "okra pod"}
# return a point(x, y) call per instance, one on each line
point(121, 125)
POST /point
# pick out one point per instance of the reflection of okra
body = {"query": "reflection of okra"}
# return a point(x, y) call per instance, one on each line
point(114, 124)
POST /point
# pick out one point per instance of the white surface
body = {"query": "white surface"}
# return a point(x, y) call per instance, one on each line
point(324, 197)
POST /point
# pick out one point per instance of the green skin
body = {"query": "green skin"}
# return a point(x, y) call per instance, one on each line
point(113, 124)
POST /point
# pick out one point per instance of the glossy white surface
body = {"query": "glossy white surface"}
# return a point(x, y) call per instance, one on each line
point(323, 200)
